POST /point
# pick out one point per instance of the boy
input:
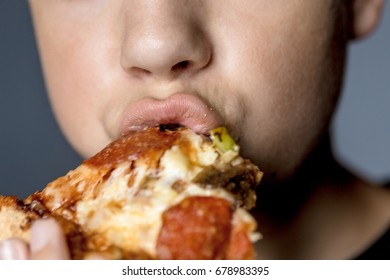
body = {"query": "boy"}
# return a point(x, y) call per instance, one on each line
point(270, 71)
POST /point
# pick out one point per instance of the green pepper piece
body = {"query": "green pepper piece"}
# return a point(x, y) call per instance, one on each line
point(221, 139)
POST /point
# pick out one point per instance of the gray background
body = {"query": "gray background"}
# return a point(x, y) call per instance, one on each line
point(34, 152)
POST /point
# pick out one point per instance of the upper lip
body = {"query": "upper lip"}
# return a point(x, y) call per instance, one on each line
point(183, 109)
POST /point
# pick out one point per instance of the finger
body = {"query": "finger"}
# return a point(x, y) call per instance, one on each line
point(48, 241)
point(13, 249)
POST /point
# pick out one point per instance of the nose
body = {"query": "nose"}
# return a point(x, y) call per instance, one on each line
point(163, 41)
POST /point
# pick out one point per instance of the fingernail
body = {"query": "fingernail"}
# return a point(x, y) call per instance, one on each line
point(10, 250)
point(39, 234)
point(48, 241)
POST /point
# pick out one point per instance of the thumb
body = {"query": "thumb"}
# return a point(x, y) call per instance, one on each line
point(48, 241)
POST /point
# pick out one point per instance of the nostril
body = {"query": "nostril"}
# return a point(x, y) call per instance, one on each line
point(140, 72)
point(181, 66)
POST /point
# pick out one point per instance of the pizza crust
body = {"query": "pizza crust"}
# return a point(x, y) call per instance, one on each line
point(144, 193)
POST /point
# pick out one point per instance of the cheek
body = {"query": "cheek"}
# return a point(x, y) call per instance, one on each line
point(77, 72)
point(75, 98)
point(288, 82)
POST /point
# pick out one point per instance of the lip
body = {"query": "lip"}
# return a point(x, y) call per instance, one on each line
point(180, 109)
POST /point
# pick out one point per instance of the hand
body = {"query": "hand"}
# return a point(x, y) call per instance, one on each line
point(47, 242)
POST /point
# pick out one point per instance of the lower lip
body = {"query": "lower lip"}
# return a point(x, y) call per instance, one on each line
point(182, 109)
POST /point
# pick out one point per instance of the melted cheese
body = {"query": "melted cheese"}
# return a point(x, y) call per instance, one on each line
point(131, 215)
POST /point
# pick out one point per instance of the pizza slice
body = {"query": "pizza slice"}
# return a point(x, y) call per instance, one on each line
point(159, 193)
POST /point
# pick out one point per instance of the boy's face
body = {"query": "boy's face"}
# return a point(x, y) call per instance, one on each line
point(268, 70)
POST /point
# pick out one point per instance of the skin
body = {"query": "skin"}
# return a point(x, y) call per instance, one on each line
point(252, 68)
point(271, 71)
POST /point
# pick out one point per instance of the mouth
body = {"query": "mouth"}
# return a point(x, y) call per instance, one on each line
point(179, 109)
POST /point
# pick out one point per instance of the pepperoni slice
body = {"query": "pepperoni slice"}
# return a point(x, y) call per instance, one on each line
point(240, 246)
point(197, 228)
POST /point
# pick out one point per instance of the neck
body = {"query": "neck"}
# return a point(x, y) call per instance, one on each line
point(280, 203)
point(280, 207)
point(318, 213)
